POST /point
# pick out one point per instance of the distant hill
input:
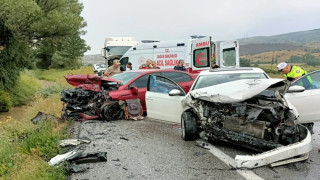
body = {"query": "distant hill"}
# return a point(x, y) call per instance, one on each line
point(92, 59)
point(300, 37)
point(303, 40)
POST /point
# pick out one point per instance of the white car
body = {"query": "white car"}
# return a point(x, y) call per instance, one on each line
point(101, 69)
point(307, 102)
point(238, 106)
point(95, 68)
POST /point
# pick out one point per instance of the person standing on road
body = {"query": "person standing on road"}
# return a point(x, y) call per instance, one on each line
point(180, 66)
point(129, 66)
point(114, 69)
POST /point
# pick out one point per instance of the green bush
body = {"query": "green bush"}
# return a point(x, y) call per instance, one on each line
point(7, 154)
point(43, 140)
point(5, 101)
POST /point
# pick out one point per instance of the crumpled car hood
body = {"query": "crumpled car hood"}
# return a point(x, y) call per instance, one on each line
point(88, 82)
point(240, 90)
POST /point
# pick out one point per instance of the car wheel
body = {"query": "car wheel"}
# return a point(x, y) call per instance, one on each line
point(99, 73)
point(112, 111)
point(188, 126)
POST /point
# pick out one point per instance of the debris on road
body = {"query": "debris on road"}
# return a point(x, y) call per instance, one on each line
point(124, 138)
point(89, 158)
point(41, 116)
point(79, 157)
point(77, 168)
point(202, 144)
point(72, 142)
point(63, 157)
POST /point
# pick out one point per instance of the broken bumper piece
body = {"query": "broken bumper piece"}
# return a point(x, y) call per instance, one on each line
point(279, 156)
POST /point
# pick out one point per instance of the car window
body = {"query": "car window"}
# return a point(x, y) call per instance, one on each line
point(229, 57)
point(310, 81)
point(162, 85)
point(125, 77)
point(215, 79)
point(142, 81)
point(201, 58)
point(177, 76)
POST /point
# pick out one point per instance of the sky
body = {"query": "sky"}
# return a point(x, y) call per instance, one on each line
point(179, 19)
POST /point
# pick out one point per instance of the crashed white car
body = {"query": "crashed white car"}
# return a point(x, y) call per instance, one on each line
point(238, 106)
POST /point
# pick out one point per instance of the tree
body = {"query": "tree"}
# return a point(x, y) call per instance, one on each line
point(33, 30)
point(69, 57)
point(245, 62)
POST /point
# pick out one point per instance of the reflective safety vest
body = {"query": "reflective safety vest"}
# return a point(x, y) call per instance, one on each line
point(295, 72)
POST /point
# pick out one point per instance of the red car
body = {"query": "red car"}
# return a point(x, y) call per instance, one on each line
point(126, 85)
point(135, 83)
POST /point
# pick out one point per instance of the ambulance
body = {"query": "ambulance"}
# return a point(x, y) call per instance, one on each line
point(198, 52)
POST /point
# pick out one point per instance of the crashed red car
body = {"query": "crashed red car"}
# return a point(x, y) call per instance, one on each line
point(98, 97)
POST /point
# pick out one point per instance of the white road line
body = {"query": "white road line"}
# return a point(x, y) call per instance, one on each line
point(247, 174)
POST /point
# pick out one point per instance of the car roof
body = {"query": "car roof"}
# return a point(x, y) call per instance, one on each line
point(147, 71)
point(231, 71)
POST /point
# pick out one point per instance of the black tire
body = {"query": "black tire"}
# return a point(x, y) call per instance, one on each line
point(189, 126)
point(112, 111)
point(99, 73)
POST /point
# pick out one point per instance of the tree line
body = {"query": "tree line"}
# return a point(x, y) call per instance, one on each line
point(39, 34)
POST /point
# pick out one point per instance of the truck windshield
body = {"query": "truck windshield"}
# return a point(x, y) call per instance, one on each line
point(211, 80)
point(117, 50)
point(125, 77)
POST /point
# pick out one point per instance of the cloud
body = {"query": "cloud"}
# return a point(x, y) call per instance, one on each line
point(178, 19)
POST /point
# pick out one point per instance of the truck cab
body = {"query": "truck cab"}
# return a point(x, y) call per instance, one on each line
point(115, 47)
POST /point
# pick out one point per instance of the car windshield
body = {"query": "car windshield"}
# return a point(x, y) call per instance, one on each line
point(118, 50)
point(211, 80)
point(102, 66)
point(125, 77)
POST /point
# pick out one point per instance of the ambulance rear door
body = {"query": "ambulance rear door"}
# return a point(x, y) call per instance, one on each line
point(201, 53)
point(227, 54)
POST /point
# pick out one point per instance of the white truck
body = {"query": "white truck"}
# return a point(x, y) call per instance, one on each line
point(115, 47)
point(198, 52)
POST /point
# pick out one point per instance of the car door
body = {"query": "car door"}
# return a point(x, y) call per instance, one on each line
point(307, 102)
point(141, 83)
point(160, 105)
point(227, 54)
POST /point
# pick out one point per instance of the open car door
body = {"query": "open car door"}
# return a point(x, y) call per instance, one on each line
point(163, 99)
point(227, 54)
point(306, 102)
point(201, 53)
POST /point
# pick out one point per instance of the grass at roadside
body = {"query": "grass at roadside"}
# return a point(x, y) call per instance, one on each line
point(25, 148)
point(57, 75)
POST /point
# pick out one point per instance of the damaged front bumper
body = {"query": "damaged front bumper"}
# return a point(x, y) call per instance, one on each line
point(279, 156)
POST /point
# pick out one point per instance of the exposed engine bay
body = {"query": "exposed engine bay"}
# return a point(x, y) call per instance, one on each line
point(257, 124)
point(262, 121)
point(90, 100)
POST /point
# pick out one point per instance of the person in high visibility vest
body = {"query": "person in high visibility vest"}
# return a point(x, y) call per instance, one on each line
point(291, 72)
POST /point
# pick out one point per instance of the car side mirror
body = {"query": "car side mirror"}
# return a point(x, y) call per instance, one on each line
point(135, 90)
point(174, 92)
point(295, 88)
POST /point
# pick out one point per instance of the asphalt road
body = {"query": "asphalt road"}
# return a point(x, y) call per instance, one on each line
point(149, 149)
